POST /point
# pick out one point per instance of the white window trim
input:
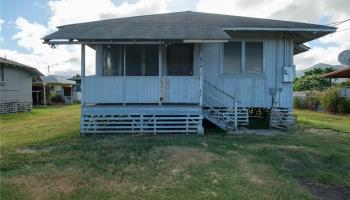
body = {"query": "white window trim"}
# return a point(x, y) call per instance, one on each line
point(243, 73)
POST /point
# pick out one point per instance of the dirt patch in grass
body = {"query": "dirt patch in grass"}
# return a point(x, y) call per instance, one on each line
point(181, 157)
point(326, 192)
point(32, 151)
point(323, 132)
point(47, 186)
point(60, 184)
point(253, 175)
point(286, 147)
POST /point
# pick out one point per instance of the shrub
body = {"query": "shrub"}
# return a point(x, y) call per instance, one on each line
point(57, 99)
point(299, 103)
point(312, 102)
point(344, 105)
point(332, 102)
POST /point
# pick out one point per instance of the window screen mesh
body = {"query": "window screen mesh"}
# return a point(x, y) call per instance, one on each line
point(113, 61)
point(232, 57)
point(180, 60)
point(151, 60)
point(133, 60)
point(254, 57)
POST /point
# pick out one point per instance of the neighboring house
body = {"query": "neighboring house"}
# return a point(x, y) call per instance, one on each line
point(341, 73)
point(54, 86)
point(166, 72)
point(77, 93)
point(344, 74)
point(16, 86)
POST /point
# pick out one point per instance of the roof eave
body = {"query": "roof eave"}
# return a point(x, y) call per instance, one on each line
point(132, 41)
point(330, 29)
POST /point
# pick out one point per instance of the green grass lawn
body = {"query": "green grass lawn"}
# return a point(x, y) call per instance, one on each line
point(324, 120)
point(43, 157)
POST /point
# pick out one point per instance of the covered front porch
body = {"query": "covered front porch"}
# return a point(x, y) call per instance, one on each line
point(142, 88)
point(143, 74)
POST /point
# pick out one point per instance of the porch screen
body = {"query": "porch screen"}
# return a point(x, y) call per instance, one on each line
point(2, 73)
point(133, 60)
point(113, 61)
point(151, 60)
point(142, 60)
point(232, 58)
point(254, 57)
point(180, 60)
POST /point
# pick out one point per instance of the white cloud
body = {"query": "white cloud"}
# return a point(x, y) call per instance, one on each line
point(65, 60)
point(312, 11)
point(74, 11)
point(252, 8)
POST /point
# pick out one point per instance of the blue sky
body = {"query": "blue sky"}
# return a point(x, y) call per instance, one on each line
point(25, 22)
point(12, 9)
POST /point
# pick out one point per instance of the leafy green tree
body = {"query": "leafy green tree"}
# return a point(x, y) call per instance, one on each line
point(313, 80)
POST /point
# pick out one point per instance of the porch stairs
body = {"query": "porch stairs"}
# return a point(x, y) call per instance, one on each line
point(226, 115)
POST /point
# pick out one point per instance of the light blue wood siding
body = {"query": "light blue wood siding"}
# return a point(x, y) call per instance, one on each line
point(107, 89)
point(181, 89)
point(253, 90)
point(142, 89)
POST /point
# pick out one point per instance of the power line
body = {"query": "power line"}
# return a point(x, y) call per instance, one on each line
point(343, 30)
point(347, 29)
point(338, 23)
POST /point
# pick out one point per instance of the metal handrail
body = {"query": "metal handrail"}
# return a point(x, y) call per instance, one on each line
point(221, 91)
point(228, 95)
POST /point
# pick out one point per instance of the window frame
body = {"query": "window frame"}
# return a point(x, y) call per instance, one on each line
point(2, 75)
point(166, 61)
point(243, 59)
point(123, 55)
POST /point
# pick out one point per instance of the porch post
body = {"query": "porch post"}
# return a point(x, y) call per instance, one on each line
point(44, 94)
point(200, 75)
point(82, 60)
point(160, 73)
point(82, 73)
point(124, 76)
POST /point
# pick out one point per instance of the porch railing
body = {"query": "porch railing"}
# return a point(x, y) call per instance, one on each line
point(140, 89)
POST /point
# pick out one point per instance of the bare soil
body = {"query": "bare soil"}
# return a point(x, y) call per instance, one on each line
point(326, 192)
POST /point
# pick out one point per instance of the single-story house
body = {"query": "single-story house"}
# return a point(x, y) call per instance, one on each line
point(165, 73)
point(16, 86)
point(56, 88)
point(77, 93)
point(341, 74)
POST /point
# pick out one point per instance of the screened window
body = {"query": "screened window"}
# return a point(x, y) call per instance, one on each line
point(113, 61)
point(2, 73)
point(180, 60)
point(254, 57)
point(133, 60)
point(251, 62)
point(232, 57)
point(151, 60)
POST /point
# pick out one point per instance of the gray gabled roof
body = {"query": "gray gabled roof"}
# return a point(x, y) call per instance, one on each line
point(54, 79)
point(14, 64)
point(180, 26)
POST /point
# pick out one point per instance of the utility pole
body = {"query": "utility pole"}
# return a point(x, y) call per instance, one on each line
point(48, 69)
